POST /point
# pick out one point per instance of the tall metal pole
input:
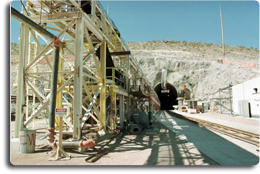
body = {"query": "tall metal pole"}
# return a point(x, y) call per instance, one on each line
point(54, 79)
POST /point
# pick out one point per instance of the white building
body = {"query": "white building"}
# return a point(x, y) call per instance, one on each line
point(246, 98)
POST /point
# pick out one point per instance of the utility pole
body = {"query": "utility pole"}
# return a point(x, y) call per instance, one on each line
point(223, 43)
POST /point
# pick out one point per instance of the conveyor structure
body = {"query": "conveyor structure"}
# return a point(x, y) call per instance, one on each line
point(97, 79)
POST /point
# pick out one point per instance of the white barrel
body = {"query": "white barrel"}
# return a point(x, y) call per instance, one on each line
point(27, 141)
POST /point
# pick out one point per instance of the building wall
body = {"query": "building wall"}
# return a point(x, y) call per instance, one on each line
point(244, 91)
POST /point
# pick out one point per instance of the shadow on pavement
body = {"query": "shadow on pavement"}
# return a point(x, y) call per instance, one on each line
point(214, 146)
point(166, 148)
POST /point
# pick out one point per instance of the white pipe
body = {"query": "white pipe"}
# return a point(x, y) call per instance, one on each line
point(163, 78)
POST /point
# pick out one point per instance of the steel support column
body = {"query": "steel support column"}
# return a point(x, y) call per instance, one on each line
point(27, 88)
point(151, 107)
point(113, 109)
point(59, 120)
point(77, 102)
point(150, 104)
point(127, 88)
point(121, 111)
point(93, 11)
point(102, 116)
point(53, 94)
point(137, 82)
point(20, 100)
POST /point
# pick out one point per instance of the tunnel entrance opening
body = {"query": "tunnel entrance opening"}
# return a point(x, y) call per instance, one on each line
point(167, 99)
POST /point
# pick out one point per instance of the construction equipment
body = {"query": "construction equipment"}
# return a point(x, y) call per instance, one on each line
point(200, 109)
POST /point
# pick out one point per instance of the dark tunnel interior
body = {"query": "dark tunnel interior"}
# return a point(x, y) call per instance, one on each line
point(167, 99)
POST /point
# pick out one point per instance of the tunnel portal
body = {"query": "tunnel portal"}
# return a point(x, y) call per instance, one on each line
point(167, 99)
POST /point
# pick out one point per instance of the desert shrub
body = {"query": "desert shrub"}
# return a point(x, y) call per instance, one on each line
point(184, 43)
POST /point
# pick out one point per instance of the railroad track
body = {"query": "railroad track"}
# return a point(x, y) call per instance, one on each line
point(229, 131)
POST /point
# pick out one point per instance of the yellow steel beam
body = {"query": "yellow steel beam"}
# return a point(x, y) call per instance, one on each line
point(102, 116)
point(59, 95)
point(113, 107)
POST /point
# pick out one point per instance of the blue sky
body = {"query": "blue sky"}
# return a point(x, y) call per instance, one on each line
point(197, 21)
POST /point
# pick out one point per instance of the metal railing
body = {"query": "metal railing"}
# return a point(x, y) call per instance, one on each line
point(116, 76)
point(144, 89)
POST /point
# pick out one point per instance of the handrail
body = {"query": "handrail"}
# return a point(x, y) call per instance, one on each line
point(114, 78)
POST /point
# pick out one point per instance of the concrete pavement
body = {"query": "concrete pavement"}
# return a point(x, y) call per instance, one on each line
point(246, 124)
point(214, 146)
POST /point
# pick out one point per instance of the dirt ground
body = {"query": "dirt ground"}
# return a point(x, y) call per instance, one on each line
point(147, 148)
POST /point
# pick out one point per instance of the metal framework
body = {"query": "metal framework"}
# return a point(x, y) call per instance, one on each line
point(224, 101)
point(229, 98)
point(86, 84)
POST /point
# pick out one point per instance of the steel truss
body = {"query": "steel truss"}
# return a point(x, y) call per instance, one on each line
point(83, 85)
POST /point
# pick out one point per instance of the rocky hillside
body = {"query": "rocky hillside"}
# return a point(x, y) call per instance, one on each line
point(199, 66)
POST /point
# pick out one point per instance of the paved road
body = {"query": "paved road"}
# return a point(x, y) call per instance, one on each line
point(214, 146)
point(162, 147)
point(246, 124)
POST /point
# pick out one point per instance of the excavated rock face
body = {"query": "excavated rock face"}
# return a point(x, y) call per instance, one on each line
point(198, 66)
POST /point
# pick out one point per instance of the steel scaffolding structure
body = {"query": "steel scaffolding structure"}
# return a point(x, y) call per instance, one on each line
point(96, 70)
